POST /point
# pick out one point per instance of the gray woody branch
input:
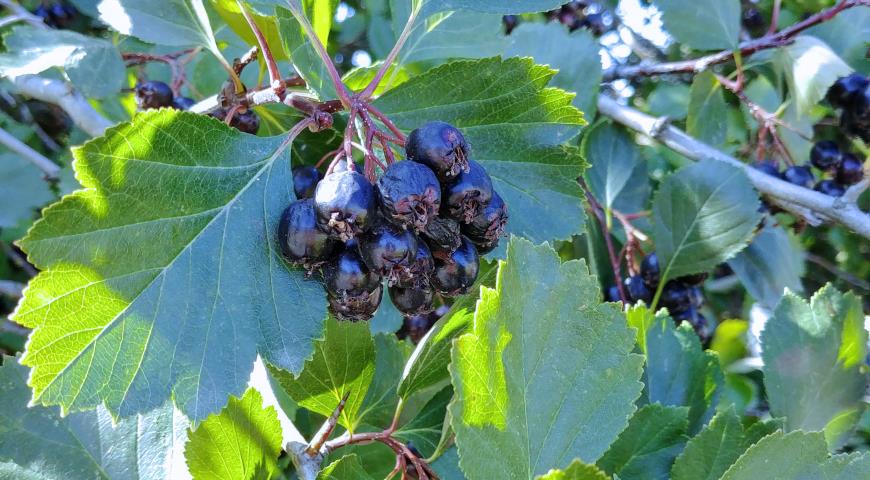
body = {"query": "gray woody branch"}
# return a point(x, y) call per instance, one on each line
point(811, 205)
point(66, 97)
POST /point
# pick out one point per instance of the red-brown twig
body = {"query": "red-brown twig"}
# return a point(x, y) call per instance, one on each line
point(598, 212)
point(274, 74)
point(175, 61)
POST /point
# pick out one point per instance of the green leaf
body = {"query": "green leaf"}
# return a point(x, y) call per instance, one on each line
point(522, 406)
point(703, 215)
point(359, 78)
point(679, 373)
point(769, 265)
point(810, 69)
point(380, 401)
point(852, 48)
point(780, 456)
point(646, 448)
point(490, 6)
point(447, 465)
point(618, 177)
point(87, 444)
point(92, 64)
point(345, 468)
point(241, 440)
point(162, 277)
point(230, 12)
point(424, 430)
point(577, 470)
point(22, 190)
point(161, 22)
point(707, 120)
point(669, 100)
point(343, 364)
point(303, 55)
point(813, 355)
point(702, 24)
point(641, 318)
point(711, 452)
point(516, 127)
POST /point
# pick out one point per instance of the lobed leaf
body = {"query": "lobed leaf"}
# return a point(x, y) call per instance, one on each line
point(702, 24)
point(22, 191)
point(769, 265)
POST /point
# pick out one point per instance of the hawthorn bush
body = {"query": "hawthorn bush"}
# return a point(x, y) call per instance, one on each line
point(456, 239)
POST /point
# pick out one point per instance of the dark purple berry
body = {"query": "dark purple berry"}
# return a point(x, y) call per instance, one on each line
point(248, 122)
point(753, 19)
point(697, 296)
point(352, 288)
point(61, 15)
point(637, 290)
point(305, 179)
point(416, 327)
point(441, 147)
point(457, 274)
point(594, 22)
point(469, 195)
point(300, 240)
point(825, 155)
point(768, 168)
point(830, 188)
point(345, 203)
point(649, 270)
point(409, 195)
point(443, 235)
point(412, 301)
point(510, 23)
point(799, 175)
point(694, 279)
point(153, 94)
point(612, 294)
point(486, 228)
point(183, 103)
point(698, 323)
point(419, 274)
point(389, 251)
point(677, 297)
point(855, 119)
point(851, 170)
point(845, 88)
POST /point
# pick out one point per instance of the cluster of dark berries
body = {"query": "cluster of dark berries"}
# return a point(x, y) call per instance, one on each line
point(56, 14)
point(572, 16)
point(844, 168)
point(851, 94)
point(420, 229)
point(682, 297)
point(156, 94)
point(415, 327)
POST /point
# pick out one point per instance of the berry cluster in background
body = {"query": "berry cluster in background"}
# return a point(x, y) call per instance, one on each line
point(851, 95)
point(574, 15)
point(420, 230)
point(683, 297)
point(57, 14)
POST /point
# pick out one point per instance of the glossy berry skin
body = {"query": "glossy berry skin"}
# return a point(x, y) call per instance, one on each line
point(846, 88)
point(825, 155)
point(153, 94)
point(799, 175)
point(389, 251)
point(409, 195)
point(469, 194)
point(455, 276)
point(677, 297)
point(443, 235)
point(345, 203)
point(419, 273)
point(415, 327)
point(769, 169)
point(637, 290)
point(183, 103)
point(612, 294)
point(851, 170)
point(649, 270)
point(248, 122)
point(305, 179)
point(412, 301)
point(301, 241)
point(830, 188)
point(351, 287)
point(486, 228)
point(441, 147)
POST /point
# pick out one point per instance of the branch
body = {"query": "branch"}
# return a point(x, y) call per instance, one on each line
point(803, 202)
point(67, 98)
point(11, 289)
point(47, 166)
point(783, 37)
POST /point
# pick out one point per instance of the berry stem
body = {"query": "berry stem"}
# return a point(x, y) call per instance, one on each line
point(388, 123)
point(274, 74)
point(391, 57)
point(774, 17)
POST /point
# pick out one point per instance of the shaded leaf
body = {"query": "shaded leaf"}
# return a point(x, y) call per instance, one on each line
point(702, 24)
point(780, 456)
point(618, 175)
point(810, 69)
point(381, 399)
point(709, 454)
point(22, 190)
point(707, 119)
point(345, 468)
point(490, 6)
point(769, 265)
point(303, 55)
point(162, 22)
point(424, 430)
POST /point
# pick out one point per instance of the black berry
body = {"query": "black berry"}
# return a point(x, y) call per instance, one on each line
point(698, 323)
point(354, 291)
point(305, 179)
point(248, 122)
point(851, 170)
point(300, 240)
point(409, 194)
point(455, 275)
point(57, 15)
point(697, 296)
point(419, 273)
point(510, 23)
point(443, 235)
point(441, 147)
point(846, 88)
point(753, 19)
point(768, 168)
point(486, 228)
point(412, 301)
point(649, 270)
point(389, 251)
point(830, 188)
point(594, 22)
point(345, 203)
point(183, 103)
point(469, 194)
point(799, 175)
point(153, 94)
point(612, 294)
point(415, 327)
point(825, 155)
point(637, 290)
point(694, 279)
point(677, 297)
